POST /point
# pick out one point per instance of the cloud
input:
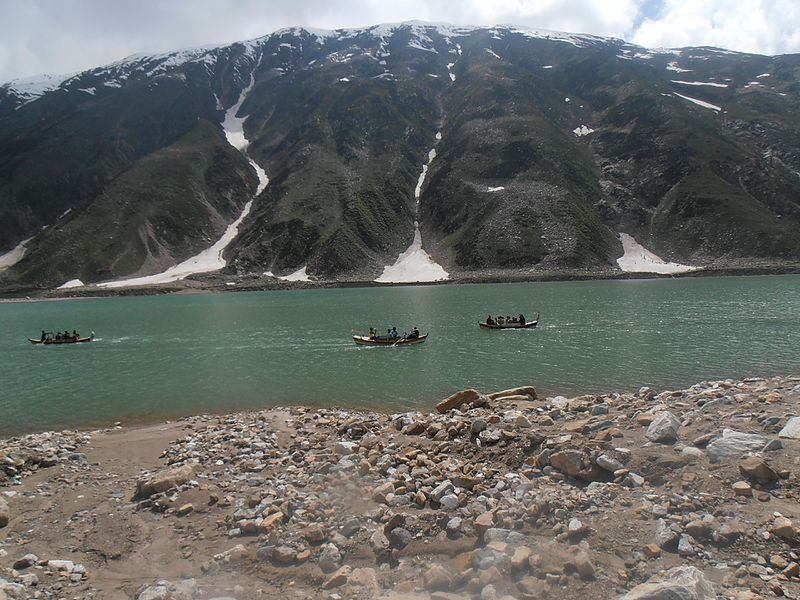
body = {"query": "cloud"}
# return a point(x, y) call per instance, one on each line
point(49, 36)
point(759, 26)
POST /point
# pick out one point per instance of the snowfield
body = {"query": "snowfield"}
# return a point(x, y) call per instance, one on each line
point(415, 265)
point(637, 259)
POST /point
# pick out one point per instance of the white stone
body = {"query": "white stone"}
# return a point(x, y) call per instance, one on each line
point(679, 583)
point(734, 444)
point(664, 428)
point(791, 430)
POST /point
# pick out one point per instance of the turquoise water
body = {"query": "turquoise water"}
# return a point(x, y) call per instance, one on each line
point(164, 356)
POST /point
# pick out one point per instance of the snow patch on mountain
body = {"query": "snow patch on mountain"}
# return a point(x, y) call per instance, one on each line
point(637, 259)
point(13, 256)
point(211, 259)
point(72, 283)
point(706, 83)
point(702, 103)
point(673, 66)
point(29, 89)
point(415, 265)
point(582, 130)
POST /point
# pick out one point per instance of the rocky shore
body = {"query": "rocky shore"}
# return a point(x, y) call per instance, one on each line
point(653, 494)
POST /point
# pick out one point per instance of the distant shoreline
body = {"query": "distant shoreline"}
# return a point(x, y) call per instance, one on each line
point(214, 284)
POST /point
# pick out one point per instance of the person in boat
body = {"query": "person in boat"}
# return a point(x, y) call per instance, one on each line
point(522, 319)
point(44, 336)
point(393, 334)
point(58, 335)
point(372, 335)
point(414, 334)
point(489, 320)
point(75, 335)
point(501, 321)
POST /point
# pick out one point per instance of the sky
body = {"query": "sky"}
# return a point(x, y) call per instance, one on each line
point(64, 36)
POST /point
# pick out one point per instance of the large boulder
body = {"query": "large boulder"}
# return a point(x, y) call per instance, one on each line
point(679, 583)
point(734, 444)
point(791, 430)
point(459, 399)
point(664, 428)
point(164, 480)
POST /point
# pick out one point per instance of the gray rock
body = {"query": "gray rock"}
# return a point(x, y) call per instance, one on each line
point(679, 583)
point(633, 480)
point(449, 502)
point(440, 490)
point(379, 542)
point(685, 547)
point(495, 534)
point(665, 537)
point(772, 446)
point(5, 515)
point(609, 463)
point(734, 444)
point(664, 428)
point(488, 437)
point(478, 425)
point(399, 537)
point(791, 430)
point(454, 525)
point(329, 558)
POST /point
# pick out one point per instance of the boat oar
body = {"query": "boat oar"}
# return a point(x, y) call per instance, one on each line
point(398, 341)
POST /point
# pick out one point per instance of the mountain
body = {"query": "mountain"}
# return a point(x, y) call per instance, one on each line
point(547, 146)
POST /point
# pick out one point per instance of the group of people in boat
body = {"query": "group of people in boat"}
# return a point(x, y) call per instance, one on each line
point(392, 334)
point(59, 336)
point(500, 320)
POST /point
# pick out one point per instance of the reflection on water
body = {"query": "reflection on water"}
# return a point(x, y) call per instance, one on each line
point(165, 356)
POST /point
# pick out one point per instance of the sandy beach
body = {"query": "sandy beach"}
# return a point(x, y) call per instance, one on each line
point(490, 495)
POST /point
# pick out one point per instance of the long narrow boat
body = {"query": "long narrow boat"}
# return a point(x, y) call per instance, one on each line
point(49, 341)
point(527, 325)
point(364, 340)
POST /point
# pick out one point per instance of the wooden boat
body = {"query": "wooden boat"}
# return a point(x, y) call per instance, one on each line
point(52, 340)
point(527, 325)
point(364, 340)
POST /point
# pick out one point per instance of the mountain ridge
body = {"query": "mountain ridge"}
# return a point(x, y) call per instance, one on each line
point(552, 144)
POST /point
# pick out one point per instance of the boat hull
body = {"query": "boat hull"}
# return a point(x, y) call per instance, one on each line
point(363, 340)
point(529, 325)
point(50, 341)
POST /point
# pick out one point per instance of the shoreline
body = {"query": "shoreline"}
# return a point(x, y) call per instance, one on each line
point(489, 495)
point(222, 283)
point(146, 421)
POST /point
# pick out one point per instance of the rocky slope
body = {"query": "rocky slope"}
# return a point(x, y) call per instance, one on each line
point(549, 145)
point(686, 493)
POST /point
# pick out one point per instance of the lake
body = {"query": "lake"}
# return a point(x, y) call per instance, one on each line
point(158, 357)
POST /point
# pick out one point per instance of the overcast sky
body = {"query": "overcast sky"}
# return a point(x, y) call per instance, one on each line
point(61, 36)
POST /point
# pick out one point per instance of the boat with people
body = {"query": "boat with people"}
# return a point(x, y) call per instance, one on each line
point(48, 337)
point(519, 322)
point(392, 338)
